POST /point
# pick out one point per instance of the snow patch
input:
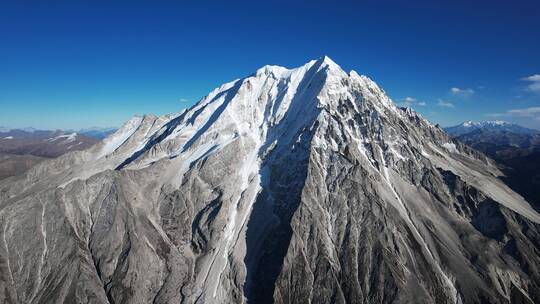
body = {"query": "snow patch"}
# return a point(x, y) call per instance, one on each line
point(66, 138)
point(114, 141)
point(451, 147)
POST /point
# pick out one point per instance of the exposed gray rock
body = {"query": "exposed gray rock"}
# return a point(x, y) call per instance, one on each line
point(289, 186)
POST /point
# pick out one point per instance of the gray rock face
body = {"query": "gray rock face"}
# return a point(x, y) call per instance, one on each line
point(289, 186)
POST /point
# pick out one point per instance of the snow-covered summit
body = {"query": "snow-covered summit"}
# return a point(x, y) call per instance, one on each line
point(275, 102)
point(283, 72)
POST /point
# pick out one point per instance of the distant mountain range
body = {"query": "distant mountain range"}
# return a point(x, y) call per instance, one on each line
point(95, 132)
point(43, 143)
point(514, 147)
point(20, 149)
point(491, 126)
point(497, 138)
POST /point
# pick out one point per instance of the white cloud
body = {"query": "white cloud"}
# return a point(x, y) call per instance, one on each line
point(527, 112)
point(461, 92)
point(532, 112)
point(183, 100)
point(495, 114)
point(534, 83)
point(445, 104)
point(411, 102)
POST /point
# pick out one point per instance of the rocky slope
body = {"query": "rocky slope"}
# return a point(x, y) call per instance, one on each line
point(303, 185)
point(516, 149)
point(13, 164)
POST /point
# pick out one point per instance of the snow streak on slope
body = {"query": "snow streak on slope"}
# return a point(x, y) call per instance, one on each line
point(119, 137)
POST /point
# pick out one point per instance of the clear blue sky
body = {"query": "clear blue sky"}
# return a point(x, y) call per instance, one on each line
point(71, 64)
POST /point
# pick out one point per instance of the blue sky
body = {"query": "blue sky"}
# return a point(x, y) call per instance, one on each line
point(74, 64)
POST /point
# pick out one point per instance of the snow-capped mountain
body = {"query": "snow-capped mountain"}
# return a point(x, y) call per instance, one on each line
point(491, 136)
point(305, 185)
point(492, 125)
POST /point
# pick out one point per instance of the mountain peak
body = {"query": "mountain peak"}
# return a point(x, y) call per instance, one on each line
point(329, 65)
point(321, 63)
point(325, 60)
